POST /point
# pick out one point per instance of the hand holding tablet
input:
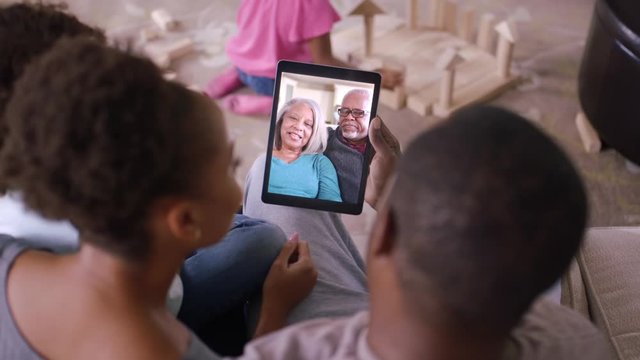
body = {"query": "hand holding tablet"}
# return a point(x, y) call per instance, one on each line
point(319, 146)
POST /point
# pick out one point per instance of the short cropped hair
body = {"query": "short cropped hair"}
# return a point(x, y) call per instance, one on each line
point(318, 140)
point(27, 30)
point(96, 136)
point(488, 212)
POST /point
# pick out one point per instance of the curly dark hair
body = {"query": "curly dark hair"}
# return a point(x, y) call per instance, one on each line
point(96, 135)
point(27, 30)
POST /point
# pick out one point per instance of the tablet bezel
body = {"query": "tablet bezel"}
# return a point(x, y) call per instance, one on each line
point(331, 73)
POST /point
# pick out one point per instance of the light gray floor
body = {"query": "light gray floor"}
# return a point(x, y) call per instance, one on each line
point(552, 34)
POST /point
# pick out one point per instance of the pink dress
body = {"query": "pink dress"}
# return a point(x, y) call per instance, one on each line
point(273, 30)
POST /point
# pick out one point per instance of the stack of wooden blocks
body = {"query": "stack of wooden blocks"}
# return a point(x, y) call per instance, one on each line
point(450, 61)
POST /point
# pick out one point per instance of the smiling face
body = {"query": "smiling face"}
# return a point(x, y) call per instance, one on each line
point(297, 127)
point(353, 128)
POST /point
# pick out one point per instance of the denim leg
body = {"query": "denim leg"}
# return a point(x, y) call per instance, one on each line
point(261, 85)
point(224, 275)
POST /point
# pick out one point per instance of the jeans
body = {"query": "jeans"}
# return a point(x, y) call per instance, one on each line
point(261, 85)
point(220, 278)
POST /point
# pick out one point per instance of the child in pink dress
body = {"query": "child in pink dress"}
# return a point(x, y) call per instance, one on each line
point(269, 31)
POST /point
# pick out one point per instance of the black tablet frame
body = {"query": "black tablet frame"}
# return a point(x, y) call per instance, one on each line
point(330, 72)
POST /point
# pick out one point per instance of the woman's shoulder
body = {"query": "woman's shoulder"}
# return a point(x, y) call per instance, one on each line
point(316, 158)
point(10, 247)
point(322, 162)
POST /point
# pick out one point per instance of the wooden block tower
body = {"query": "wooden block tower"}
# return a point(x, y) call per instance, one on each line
point(447, 63)
point(368, 9)
point(485, 32)
point(508, 36)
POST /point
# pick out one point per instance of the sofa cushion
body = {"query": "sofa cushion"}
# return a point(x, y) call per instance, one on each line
point(609, 261)
point(573, 293)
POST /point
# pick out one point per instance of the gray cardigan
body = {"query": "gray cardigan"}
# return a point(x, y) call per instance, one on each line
point(348, 163)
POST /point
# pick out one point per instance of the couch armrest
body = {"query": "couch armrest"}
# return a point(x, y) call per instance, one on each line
point(573, 293)
point(609, 267)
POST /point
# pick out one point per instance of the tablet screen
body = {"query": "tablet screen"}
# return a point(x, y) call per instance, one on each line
point(319, 149)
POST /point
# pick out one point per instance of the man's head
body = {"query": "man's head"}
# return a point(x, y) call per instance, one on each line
point(485, 213)
point(28, 30)
point(355, 128)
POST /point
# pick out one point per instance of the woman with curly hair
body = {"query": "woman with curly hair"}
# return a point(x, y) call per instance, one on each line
point(210, 305)
point(142, 168)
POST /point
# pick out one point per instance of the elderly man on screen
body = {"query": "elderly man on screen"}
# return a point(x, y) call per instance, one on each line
point(347, 143)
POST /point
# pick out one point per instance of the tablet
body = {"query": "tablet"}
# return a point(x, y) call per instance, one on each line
point(319, 151)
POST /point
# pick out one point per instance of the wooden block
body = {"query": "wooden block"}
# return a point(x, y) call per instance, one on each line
point(446, 89)
point(470, 71)
point(504, 56)
point(395, 99)
point(508, 35)
point(394, 65)
point(349, 41)
point(412, 14)
point(368, 34)
point(170, 75)
point(432, 19)
point(507, 30)
point(422, 101)
point(450, 17)
point(441, 15)
point(429, 76)
point(162, 54)
point(367, 8)
point(409, 46)
point(194, 87)
point(481, 90)
point(419, 51)
point(399, 44)
point(419, 105)
point(486, 33)
point(466, 25)
point(164, 20)
point(449, 59)
point(161, 60)
point(179, 48)
point(370, 64)
point(149, 34)
point(172, 50)
point(588, 135)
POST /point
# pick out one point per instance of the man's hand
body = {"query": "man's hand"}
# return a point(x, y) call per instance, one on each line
point(388, 151)
point(291, 278)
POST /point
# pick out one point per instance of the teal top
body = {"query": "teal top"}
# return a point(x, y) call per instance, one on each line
point(309, 176)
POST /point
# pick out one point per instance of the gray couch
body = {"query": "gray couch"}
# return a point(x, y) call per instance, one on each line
point(603, 283)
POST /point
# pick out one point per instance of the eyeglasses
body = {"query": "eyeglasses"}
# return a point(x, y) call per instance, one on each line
point(345, 111)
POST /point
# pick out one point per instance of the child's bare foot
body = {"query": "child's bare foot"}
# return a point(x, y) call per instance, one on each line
point(246, 104)
point(223, 84)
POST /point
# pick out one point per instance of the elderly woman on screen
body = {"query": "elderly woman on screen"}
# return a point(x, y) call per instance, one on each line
point(298, 167)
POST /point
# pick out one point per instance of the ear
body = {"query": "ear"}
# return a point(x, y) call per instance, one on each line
point(382, 243)
point(184, 221)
